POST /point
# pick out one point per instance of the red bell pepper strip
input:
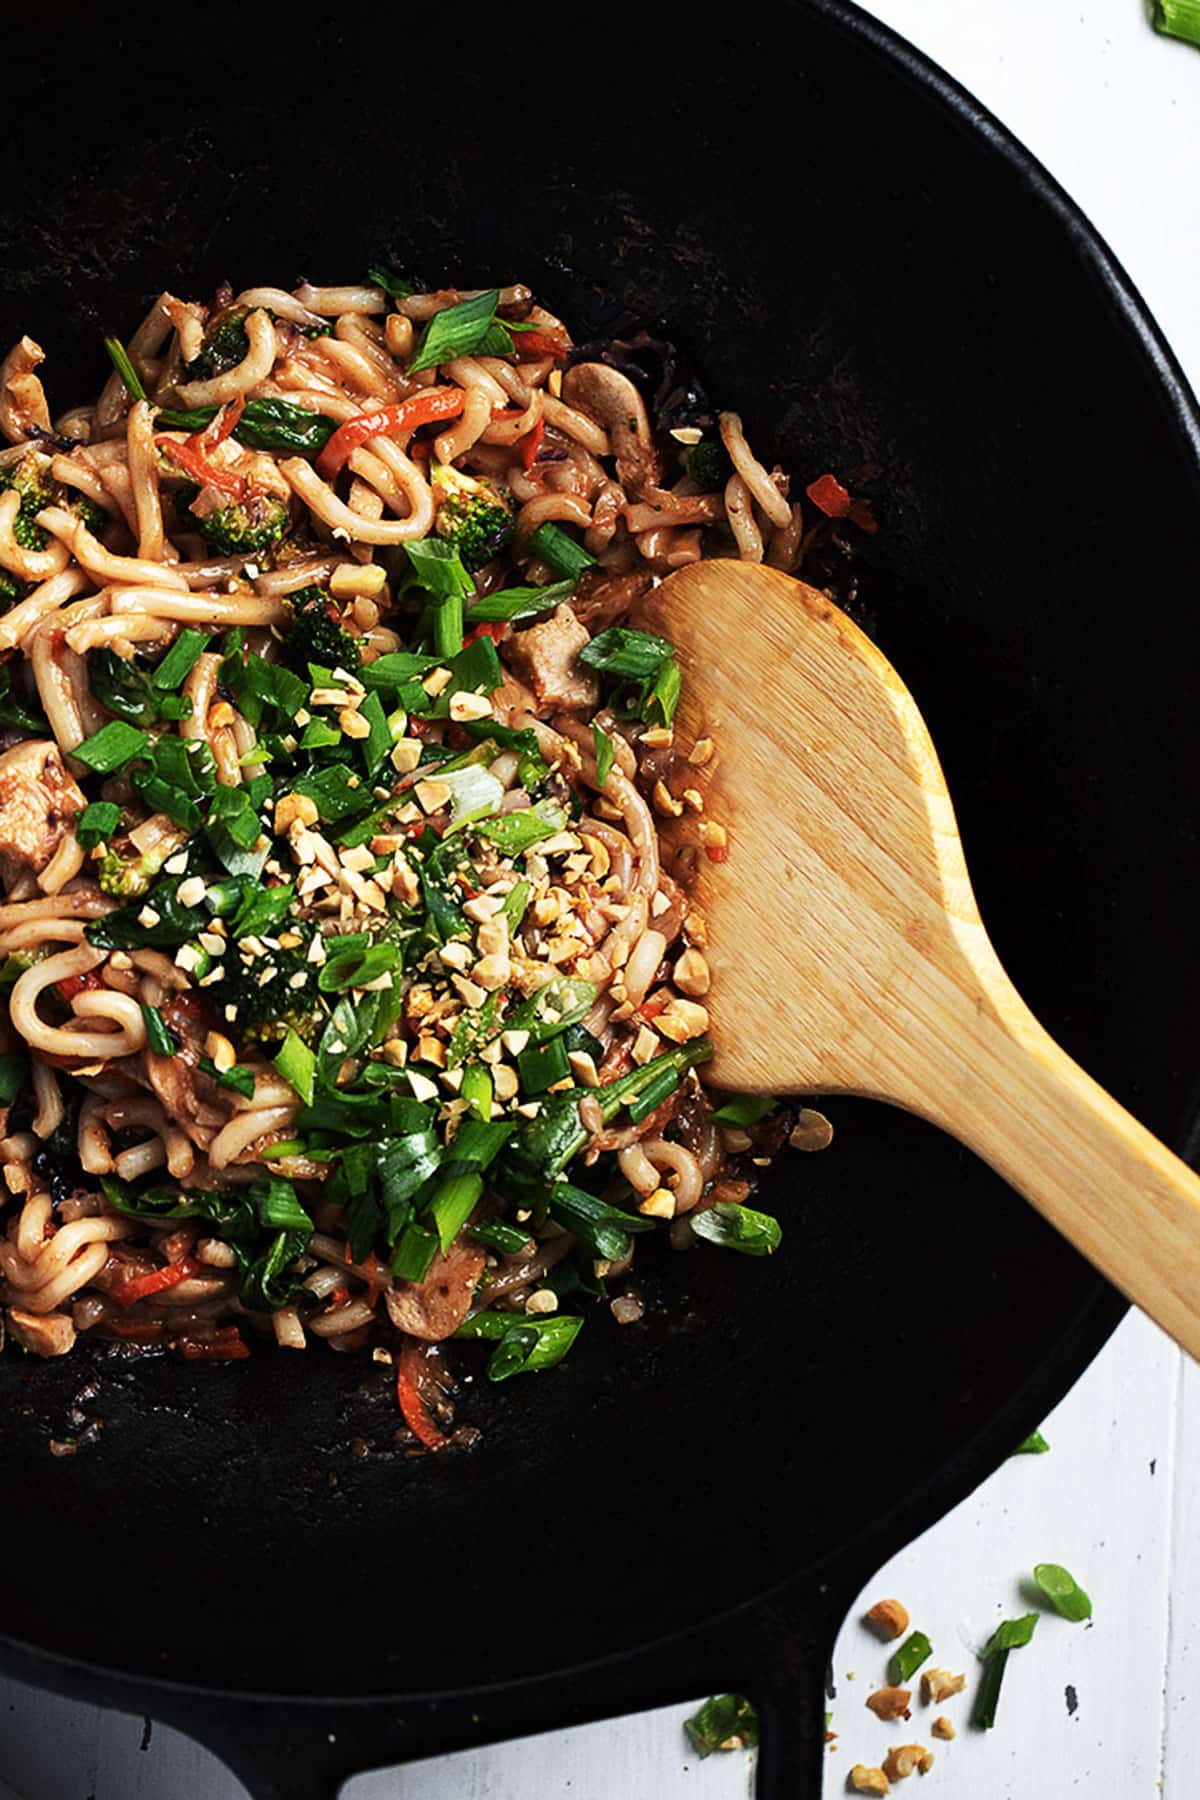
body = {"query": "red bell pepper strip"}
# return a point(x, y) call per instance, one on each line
point(70, 985)
point(425, 408)
point(657, 1003)
point(142, 1286)
point(828, 494)
point(226, 1345)
point(221, 425)
point(495, 629)
point(539, 343)
point(408, 1393)
point(136, 1331)
point(192, 460)
point(531, 443)
point(717, 853)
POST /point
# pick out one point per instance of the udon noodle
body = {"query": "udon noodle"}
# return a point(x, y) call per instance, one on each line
point(352, 986)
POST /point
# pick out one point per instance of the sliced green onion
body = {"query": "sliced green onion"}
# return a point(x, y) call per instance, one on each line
point(414, 1253)
point(1010, 1635)
point(634, 655)
point(118, 356)
point(524, 1345)
point(734, 1227)
point(453, 1203)
point(114, 745)
point(539, 1066)
point(561, 552)
point(497, 1234)
point(606, 752)
point(157, 1035)
point(477, 1090)
point(653, 1094)
point(1179, 19)
point(439, 569)
point(515, 903)
point(382, 277)
point(96, 823)
point(511, 605)
point(726, 1722)
point(1063, 1592)
point(915, 1650)
point(515, 832)
point(297, 1064)
point(180, 659)
point(238, 1080)
point(1034, 1445)
point(743, 1110)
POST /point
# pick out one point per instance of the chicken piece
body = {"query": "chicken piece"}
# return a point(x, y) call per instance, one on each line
point(434, 1309)
point(546, 656)
point(38, 804)
point(46, 1334)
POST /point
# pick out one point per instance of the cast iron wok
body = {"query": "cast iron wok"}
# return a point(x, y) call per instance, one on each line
point(870, 268)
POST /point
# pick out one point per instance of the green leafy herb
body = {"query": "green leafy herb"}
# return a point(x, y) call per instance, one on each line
point(915, 1650)
point(180, 659)
point(1034, 1445)
point(113, 747)
point(514, 832)
point(734, 1227)
point(726, 1722)
point(1010, 1635)
point(743, 1110)
point(660, 703)
point(560, 1002)
point(96, 823)
point(524, 1345)
point(14, 711)
point(468, 329)
point(1063, 1592)
point(119, 358)
point(539, 1066)
point(264, 425)
point(237, 1079)
point(1179, 19)
point(561, 552)
point(605, 754)
point(382, 277)
point(602, 1228)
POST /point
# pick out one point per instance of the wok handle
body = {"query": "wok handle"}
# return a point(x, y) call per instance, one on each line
point(776, 1651)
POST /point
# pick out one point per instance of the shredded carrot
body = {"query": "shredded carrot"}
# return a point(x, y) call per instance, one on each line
point(416, 1413)
point(226, 1345)
point(495, 629)
point(531, 443)
point(142, 1286)
point(136, 1331)
point(372, 1268)
point(539, 343)
point(388, 421)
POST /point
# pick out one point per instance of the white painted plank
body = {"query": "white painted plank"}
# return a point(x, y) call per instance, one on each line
point(1181, 1695)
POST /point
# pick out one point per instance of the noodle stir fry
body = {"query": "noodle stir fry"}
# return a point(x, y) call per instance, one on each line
point(353, 990)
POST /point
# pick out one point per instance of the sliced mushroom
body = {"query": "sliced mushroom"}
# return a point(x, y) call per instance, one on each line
point(614, 402)
point(22, 400)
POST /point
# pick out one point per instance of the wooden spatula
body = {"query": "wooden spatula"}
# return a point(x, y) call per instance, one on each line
point(846, 949)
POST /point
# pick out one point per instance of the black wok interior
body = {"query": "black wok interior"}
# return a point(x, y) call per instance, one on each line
point(870, 281)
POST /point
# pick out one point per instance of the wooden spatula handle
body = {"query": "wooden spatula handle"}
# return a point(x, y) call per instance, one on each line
point(1109, 1185)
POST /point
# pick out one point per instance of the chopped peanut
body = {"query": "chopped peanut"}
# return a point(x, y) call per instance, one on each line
point(349, 581)
point(353, 723)
point(900, 1763)
point(659, 737)
point(888, 1618)
point(601, 860)
point(220, 715)
point(220, 1050)
point(465, 706)
point(295, 809)
point(432, 795)
point(665, 801)
point(701, 752)
point(938, 1685)
point(869, 1781)
point(406, 754)
point(492, 972)
point(890, 1703)
point(692, 974)
point(431, 1050)
point(504, 1082)
point(683, 1020)
point(812, 1131)
point(943, 1728)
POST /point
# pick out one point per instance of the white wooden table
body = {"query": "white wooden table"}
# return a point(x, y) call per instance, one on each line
point(1114, 112)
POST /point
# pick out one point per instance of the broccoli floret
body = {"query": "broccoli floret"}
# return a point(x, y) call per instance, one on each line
point(708, 464)
point(252, 524)
point(126, 872)
point(316, 635)
point(266, 1004)
point(30, 476)
point(476, 518)
point(11, 589)
point(225, 344)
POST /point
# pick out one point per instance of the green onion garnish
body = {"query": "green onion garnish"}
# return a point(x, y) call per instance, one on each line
point(468, 329)
point(1034, 1445)
point(743, 1110)
point(297, 1064)
point(605, 754)
point(452, 1205)
point(96, 823)
point(560, 552)
point(477, 1090)
point(114, 745)
point(1179, 18)
point(726, 1722)
point(119, 358)
point(414, 1253)
point(635, 655)
point(915, 1650)
point(733, 1227)
point(1011, 1634)
point(498, 1235)
point(180, 659)
point(511, 605)
point(524, 1345)
point(239, 1081)
point(1063, 1592)
point(539, 1066)
point(157, 1035)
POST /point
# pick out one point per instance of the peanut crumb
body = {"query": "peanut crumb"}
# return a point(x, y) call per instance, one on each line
point(943, 1728)
point(905, 1759)
point(890, 1702)
point(869, 1781)
point(887, 1618)
point(938, 1685)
